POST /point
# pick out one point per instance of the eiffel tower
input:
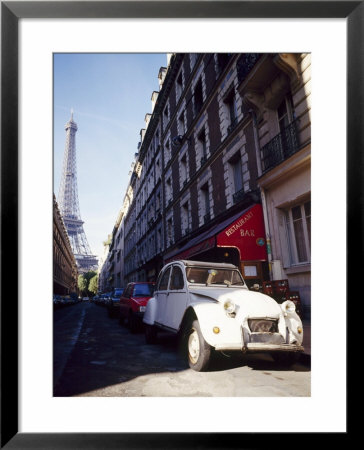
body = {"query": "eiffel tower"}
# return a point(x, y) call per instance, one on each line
point(69, 206)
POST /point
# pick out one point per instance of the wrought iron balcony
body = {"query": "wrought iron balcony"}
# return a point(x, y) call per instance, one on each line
point(281, 147)
point(239, 195)
point(245, 64)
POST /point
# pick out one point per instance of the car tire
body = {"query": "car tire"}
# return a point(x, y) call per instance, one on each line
point(198, 350)
point(286, 359)
point(150, 334)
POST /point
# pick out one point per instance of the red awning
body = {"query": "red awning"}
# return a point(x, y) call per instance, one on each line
point(244, 231)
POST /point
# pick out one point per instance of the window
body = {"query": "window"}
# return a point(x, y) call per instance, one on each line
point(298, 222)
point(183, 171)
point(237, 173)
point(143, 290)
point(193, 59)
point(181, 125)
point(158, 202)
point(202, 148)
point(176, 279)
point(222, 61)
point(165, 117)
point(168, 190)
point(163, 284)
point(179, 86)
point(167, 152)
point(198, 97)
point(159, 239)
point(169, 232)
point(205, 197)
point(232, 113)
point(185, 216)
point(285, 113)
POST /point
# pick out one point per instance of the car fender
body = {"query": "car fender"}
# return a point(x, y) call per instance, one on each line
point(294, 323)
point(211, 315)
point(150, 313)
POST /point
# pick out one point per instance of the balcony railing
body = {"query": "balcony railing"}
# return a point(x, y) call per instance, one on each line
point(239, 195)
point(281, 147)
point(245, 64)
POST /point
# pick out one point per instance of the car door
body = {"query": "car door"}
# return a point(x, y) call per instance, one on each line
point(124, 301)
point(161, 296)
point(176, 299)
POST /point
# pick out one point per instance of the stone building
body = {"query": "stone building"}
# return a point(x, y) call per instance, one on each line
point(64, 263)
point(278, 90)
point(103, 272)
point(222, 171)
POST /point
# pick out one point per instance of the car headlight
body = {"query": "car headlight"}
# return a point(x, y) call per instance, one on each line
point(288, 306)
point(229, 306)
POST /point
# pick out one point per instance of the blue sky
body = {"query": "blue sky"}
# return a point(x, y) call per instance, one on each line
point(110, 95)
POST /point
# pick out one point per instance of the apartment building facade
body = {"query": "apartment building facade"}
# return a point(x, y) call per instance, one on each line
point(65, 271)
point(222, 171)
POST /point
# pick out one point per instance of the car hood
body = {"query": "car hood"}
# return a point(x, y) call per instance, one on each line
point(249, 303)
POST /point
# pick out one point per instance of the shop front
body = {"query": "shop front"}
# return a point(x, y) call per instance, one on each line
point(239, 240)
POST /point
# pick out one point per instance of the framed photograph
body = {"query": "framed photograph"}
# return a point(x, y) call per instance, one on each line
point(31, 32)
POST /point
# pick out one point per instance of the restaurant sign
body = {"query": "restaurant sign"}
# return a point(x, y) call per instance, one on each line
point(247, 234)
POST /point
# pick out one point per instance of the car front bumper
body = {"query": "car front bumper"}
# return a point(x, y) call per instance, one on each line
point(259, 347)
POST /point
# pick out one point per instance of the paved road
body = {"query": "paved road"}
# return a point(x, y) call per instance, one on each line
point(95, 356)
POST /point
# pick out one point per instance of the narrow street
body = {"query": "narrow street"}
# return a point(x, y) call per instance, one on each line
point(95, 356)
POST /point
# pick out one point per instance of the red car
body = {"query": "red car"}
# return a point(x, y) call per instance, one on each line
point(133, 303)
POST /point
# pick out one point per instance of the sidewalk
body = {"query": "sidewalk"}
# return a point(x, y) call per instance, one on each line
point(306, 355)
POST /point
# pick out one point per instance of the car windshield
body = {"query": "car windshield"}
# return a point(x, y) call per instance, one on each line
point(118, 292)
point(143, 290)
point(209, 276)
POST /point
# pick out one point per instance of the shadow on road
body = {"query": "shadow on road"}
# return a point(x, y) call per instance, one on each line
point(107, 354)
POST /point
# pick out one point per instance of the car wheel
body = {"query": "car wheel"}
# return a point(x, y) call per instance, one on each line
point(198, 350)
point(286, 359)
point(150, 334)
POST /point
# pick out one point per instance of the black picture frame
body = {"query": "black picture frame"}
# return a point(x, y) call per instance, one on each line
point(11, 12)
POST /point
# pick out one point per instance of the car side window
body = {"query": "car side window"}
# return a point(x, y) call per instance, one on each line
point(163, 284)
point(127, 292)
point(176, 278)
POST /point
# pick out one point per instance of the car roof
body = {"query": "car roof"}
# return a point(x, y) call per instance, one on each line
point(142, 282)
point(206, 264)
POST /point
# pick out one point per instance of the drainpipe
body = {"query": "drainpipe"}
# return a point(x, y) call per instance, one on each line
point(262, 192)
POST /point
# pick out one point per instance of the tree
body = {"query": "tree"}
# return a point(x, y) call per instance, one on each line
point(93, 285)
point(84, 281)
point(82, 284)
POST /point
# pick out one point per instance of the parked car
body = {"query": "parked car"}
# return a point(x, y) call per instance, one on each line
point(113, 302)
point(280, 291)
point(212, 309)
point(86, 299)
point(107, 297)
point(133, 303)
point(57, 301)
